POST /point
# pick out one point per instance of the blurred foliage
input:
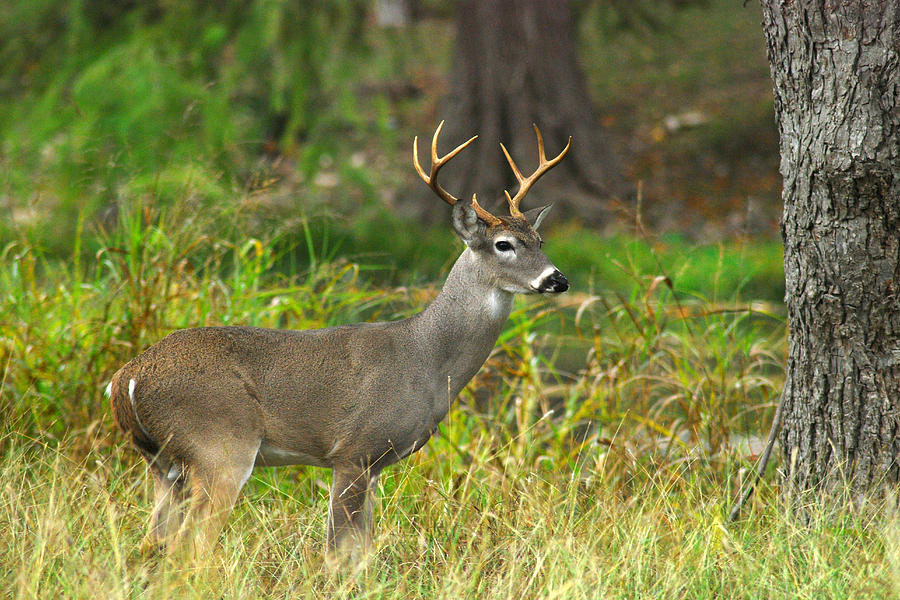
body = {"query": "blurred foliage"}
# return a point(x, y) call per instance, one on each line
point(713, 271)
point(106, 100)
point(629, 15)
point(293, 120)
point(699, 368)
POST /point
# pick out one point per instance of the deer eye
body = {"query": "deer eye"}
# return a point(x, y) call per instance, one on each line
point(503, 246)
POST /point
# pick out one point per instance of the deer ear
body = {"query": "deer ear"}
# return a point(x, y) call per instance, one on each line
point(465, 222)
point(536, 215)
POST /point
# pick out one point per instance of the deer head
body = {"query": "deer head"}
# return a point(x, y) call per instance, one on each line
point(508, 247)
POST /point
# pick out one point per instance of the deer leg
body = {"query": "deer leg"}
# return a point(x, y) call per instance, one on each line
point(348, 533)
point(369, 508)
point(168, 511)
point(215, 482)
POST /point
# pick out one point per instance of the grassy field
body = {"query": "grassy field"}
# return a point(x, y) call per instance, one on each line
point(596, 455)
point(501, 526)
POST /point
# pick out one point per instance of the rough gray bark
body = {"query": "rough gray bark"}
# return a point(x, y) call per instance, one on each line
point(836, 74)
point(515, 65)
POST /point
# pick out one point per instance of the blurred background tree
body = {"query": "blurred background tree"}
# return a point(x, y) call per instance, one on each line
point(515, 64)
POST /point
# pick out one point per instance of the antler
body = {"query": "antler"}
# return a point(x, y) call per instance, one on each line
point(525, 183)
point(436, 164)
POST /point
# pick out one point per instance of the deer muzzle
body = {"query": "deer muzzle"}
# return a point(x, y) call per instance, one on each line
point(553, 283)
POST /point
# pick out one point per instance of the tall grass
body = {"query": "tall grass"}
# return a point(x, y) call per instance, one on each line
point(66, 327)
point(595, 455)
point(498, 527)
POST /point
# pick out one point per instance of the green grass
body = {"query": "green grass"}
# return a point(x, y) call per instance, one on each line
point(595, 455)
point(749, 268)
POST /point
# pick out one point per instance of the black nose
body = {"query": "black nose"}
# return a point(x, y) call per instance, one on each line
point(555, 283)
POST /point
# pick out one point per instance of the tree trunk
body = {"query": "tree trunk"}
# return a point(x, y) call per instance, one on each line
point(836, 74)
point(515, 65)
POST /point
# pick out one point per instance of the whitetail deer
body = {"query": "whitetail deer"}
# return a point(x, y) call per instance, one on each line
point(205, 406)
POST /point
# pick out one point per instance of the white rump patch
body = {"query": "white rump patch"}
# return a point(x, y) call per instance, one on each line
point(131, 385)
point(109, 389)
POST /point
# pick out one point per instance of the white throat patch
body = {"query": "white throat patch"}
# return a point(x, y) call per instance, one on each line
point(496, 304)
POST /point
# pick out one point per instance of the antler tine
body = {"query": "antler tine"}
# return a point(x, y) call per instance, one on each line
point(484, 215)
point(437, 163)
point(525, 183)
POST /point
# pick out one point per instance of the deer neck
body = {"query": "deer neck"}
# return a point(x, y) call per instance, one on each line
point(459, 329)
